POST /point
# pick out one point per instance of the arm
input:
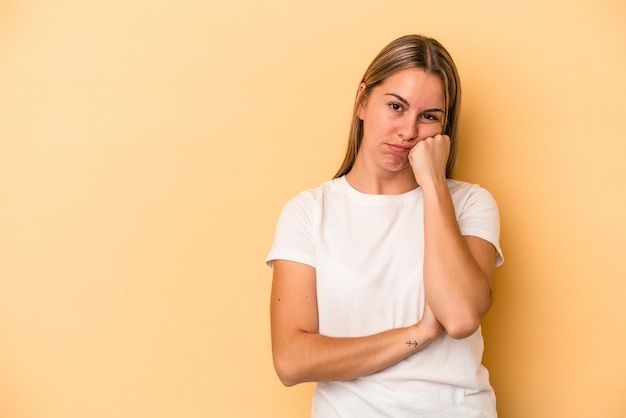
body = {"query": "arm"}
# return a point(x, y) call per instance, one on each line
point(302, 354)
point(458, 270)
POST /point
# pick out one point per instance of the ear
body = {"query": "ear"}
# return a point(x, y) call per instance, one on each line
point(360, 100)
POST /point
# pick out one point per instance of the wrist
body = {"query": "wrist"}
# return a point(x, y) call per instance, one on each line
point(430, 331)
point(422, 335)
point(433, 184)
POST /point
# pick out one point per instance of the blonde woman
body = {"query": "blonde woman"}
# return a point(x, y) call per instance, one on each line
point(382, 275)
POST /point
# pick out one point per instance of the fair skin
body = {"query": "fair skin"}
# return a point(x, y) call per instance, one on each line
point(402, 148)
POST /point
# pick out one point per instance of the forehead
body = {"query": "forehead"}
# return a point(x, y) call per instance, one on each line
point(414, 84)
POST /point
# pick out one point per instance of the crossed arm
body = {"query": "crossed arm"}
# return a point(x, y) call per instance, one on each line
point(458, 270)
point(302, 354)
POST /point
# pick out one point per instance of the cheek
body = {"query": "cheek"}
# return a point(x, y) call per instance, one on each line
point(431, 129)
point(375, 127)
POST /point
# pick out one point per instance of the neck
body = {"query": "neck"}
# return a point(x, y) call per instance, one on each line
point(366, 181)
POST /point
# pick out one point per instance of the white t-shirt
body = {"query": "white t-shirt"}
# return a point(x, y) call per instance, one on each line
point(367, 251)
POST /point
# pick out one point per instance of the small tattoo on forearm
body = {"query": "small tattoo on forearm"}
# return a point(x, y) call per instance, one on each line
point(411, 343)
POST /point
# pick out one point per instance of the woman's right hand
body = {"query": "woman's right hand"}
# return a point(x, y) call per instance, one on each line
point(430, 323)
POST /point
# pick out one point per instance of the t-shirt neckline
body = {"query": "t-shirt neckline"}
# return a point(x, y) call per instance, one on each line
point(343, 183)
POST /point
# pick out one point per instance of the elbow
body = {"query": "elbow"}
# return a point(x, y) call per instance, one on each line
point(460, 329)
point(464, 323)
point(291, 361)
point(287, 372)
point(286, 378)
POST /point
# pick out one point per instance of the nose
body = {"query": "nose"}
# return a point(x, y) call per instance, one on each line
point(407, 131)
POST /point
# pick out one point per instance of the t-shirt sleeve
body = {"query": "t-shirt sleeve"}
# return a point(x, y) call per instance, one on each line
point(480, 217)
point(294, 239)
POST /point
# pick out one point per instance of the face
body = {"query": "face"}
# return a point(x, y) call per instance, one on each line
point(401, 111)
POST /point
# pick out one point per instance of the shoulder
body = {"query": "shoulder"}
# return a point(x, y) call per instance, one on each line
point(464, 193)
point(460, 186)
point(309, 202)
point(316, 196)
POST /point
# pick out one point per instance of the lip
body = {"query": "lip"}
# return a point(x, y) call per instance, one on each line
point(399, 149)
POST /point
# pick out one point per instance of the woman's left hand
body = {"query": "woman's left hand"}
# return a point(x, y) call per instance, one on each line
point(429, 158)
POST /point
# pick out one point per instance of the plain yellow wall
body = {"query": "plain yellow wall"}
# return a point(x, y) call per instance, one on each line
point(147, 147)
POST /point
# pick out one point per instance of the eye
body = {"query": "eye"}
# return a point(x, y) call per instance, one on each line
point(396, 107)
point(430, 118)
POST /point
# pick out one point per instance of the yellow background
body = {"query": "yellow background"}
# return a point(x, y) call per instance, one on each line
point(147, 147)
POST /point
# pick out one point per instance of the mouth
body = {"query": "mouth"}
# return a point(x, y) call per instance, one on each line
point(399, 149)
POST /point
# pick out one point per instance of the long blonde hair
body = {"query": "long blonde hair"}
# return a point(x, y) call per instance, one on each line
point(410, 51)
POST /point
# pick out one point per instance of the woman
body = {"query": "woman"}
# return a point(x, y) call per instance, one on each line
point(383, 274)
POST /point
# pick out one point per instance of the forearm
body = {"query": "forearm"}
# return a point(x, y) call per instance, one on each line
point(307, 357)
point(457, 289)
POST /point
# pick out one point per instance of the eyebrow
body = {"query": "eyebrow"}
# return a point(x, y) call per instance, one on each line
point(403, 100)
